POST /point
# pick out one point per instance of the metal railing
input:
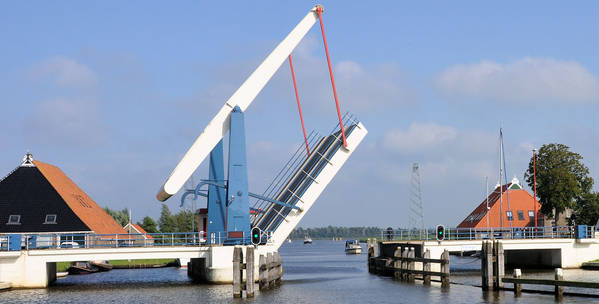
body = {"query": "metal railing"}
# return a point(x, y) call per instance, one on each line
point(554, 232)
point(40, 241)
point(297, 175)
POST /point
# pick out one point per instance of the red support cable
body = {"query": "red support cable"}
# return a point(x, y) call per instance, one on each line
point(326, 48)
point(299, 107)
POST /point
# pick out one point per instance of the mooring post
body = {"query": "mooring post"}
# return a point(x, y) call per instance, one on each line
point(487, 265)
point(517, 286)
point(404, 264)
point(262, 273)
point(278, 269)
point(559, 290)
point(397, 263)
point(237, 271)
point(271, 271)
point(371, 266)
point(411, 264)
point(426, 266)
point(249, 272)
point(445, 269)
point(499, 264)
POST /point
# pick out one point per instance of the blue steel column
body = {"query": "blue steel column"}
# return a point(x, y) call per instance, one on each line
point(238, 209)
point(216, 195)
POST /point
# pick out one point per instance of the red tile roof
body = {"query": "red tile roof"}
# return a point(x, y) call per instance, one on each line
point(80, 203)
point(519, 200)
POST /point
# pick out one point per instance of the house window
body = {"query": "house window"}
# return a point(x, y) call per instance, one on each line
point(50, 219)
point(531, 214)
point(14, 220)
point(510, 216)
point(520, 215)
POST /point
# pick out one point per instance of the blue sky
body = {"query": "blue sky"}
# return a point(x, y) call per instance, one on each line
point(115, 92)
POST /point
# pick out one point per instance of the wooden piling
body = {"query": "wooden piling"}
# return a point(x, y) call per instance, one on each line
point(426, 266)
point(445, 269)
point(237, 271)
point(271, 272)
point(498, 267)
point(404, 264)
point(487, 265)
point(517, 286)
point(559, 290)
point(278, 269)
point(411, 264)
point(397, 264)
point(262, 273)
point(249, 272)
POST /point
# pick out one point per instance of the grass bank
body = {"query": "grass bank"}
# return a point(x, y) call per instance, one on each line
point(64, 266)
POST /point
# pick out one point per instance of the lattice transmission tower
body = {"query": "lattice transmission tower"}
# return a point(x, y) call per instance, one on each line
point(416, 217)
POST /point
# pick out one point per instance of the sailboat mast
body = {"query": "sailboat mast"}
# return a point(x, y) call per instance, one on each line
point(507, 188)
point(500, 182)
point(487, 191)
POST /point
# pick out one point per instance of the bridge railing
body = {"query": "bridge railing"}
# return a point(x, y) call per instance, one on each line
point(35, 241)
point(554, 232)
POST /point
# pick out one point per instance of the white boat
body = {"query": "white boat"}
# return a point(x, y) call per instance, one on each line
point(353, 247)
point(307, 239)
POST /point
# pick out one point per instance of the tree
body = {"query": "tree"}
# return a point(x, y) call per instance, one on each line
point(149, 225)
point(166, 221)
point(183, 221)
point(562, 178)
point(586, 211)
point(121, 217)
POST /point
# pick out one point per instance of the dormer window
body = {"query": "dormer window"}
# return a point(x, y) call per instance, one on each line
point(14, 219)
point(510, 215)
point(50, 219)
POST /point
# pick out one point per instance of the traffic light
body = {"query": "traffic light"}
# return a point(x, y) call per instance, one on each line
point(256, 233)
point(440, 232)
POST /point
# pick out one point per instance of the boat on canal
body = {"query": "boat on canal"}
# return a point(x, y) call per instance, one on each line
point(101, 265)
point(307, 239)
point(353, 247)
point(82, 268)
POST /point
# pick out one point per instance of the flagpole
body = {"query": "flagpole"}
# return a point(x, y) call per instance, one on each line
point(534, 170)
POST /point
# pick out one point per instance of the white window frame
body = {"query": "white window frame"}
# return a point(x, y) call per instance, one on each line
point(510, 215)
point(18, 222)
point(48, 222)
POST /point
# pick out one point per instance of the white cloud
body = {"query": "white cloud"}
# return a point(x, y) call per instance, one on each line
point(418, 137)
point(65, 72)
point(360, 88)
point(528, 80)
point(66, 121)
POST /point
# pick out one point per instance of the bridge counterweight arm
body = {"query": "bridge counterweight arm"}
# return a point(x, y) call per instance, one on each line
point(243, 97)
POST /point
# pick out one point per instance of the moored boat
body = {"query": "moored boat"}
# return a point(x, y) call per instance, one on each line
point(82, 268)
point(307, 239)
point(102, 265)
point(353, 247)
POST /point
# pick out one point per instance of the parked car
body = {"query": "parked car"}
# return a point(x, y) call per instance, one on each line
point(69, 245)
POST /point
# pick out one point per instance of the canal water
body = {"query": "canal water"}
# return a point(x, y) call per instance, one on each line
point(317, 273)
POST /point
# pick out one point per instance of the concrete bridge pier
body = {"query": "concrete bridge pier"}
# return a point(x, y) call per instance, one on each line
point(23, 271)
point(216, 267)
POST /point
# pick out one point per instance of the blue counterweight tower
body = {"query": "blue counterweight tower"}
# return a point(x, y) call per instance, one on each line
point(228, 199)
point(238, 208)
point(217, 196)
